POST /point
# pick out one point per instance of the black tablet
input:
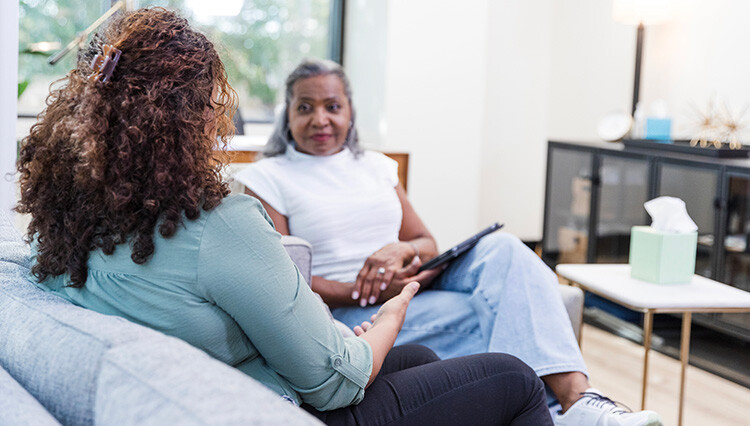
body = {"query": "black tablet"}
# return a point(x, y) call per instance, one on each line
point(459, 249)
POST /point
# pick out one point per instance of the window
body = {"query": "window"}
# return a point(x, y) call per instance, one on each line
point(260, 42)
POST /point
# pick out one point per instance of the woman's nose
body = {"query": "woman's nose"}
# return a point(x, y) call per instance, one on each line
point(320, 117)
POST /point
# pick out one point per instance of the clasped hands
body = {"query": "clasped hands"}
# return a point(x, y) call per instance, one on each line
point(387, 271)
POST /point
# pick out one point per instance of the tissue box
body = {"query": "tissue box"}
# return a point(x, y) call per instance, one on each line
point(661, 257)
point(659, 129)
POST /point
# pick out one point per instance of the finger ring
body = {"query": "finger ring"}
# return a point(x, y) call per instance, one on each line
point(381, 271)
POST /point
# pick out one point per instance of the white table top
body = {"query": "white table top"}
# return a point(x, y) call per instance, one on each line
point(614, 282)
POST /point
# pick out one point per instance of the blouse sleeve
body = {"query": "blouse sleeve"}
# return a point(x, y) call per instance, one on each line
point(386, 168)
point(245, 271)
point(258, 177)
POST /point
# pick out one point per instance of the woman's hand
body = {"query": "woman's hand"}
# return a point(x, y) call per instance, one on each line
point(393, 310)
point(407, 275)
point(361, 329)
point(379, 269)
point(381, 333)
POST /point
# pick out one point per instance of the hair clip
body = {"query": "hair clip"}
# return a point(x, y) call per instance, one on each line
point(104, 64)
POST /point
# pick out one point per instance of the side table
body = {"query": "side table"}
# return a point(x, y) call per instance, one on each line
point(613, 282)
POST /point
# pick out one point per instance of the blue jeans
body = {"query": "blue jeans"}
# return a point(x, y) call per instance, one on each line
point(498, 297)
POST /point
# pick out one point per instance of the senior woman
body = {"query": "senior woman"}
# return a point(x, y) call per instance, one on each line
point(130, 217)
point(368, 243)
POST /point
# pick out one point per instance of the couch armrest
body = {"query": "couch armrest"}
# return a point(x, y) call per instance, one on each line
point(572, 297)
point(301, 253)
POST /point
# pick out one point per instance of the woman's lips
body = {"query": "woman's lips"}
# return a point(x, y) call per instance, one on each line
point(321, 137)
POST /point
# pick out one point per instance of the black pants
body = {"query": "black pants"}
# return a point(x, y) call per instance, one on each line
point(414, 387)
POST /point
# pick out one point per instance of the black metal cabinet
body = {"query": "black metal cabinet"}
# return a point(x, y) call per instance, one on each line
point(593, 198)
point(595, 194)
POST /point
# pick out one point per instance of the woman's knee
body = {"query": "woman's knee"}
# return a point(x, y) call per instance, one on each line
point(500, 242)
point(506, 249)
point(510, 364)
point(407, 356)
point(417, 354)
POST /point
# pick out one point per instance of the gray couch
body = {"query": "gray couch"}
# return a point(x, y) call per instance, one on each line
point(61, 364)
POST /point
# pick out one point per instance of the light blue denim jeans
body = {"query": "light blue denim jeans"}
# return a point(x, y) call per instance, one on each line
point(498, 297)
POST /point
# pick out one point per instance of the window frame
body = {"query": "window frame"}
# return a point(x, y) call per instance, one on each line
point(334, 50)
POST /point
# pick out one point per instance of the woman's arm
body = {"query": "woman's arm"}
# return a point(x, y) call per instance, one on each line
point(398, 260)
point(334, 293)
point(413, 230)
point(381, 334)
point(280, 222)
point(244, 270)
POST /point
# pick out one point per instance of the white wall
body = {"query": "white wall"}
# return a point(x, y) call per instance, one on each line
point(696, 56)
point(699, 56)
point(432, 93)
point(8, 95)
point(513, 153)
point(473, 90)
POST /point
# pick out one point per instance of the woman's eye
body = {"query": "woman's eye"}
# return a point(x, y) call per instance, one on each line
point(334, 107)
point(303, 108)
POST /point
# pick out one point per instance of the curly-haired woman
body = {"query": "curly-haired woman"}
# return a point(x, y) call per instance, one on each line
point(130, 217)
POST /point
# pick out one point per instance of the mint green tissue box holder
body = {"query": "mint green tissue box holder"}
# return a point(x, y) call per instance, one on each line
point(662, 257)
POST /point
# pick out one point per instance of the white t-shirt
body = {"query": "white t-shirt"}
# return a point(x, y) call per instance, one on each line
point(346, 207)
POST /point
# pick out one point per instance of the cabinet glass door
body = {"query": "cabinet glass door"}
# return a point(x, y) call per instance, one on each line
point(623, 188)
point(568, 205)
point(736, 270)
point(697, 186)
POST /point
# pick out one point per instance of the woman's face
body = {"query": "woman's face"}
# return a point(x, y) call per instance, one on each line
point(319, 115)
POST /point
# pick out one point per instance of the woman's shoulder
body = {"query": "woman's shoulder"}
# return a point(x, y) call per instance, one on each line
point(264, 167)
point(381, 165)
point(238, 204)
point(375, 157)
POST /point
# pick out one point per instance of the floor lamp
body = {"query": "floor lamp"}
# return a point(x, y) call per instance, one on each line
point(640, 13)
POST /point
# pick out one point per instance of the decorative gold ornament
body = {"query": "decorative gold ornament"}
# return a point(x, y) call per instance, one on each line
point(715, 127)
point(732, 127)
point(706, 127)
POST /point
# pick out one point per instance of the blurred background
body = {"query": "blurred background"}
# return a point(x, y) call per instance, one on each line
point(471, 90)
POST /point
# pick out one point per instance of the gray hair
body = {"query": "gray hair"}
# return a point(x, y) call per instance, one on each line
point(282, 136)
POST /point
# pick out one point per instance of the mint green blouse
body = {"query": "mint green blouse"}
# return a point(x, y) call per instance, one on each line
point(225, 284)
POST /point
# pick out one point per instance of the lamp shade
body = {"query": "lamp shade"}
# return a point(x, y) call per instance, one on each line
point(646, 12)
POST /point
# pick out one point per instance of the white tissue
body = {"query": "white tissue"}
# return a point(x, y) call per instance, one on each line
point(659, 109)
point(668, 214)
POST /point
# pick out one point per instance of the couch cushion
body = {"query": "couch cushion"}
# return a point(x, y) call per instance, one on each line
point(18, 407)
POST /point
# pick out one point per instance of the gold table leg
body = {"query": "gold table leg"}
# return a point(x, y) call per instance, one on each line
point(684, 355)
point(647, 328)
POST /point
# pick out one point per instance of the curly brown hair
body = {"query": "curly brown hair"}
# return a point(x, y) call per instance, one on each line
point(106, 162)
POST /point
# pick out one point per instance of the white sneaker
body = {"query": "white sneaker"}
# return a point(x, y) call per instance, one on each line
point(594, 409)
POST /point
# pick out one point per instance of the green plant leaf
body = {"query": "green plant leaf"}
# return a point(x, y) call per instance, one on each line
point(22, 87)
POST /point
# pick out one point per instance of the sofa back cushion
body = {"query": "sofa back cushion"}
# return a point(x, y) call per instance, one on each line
point(18, 407)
